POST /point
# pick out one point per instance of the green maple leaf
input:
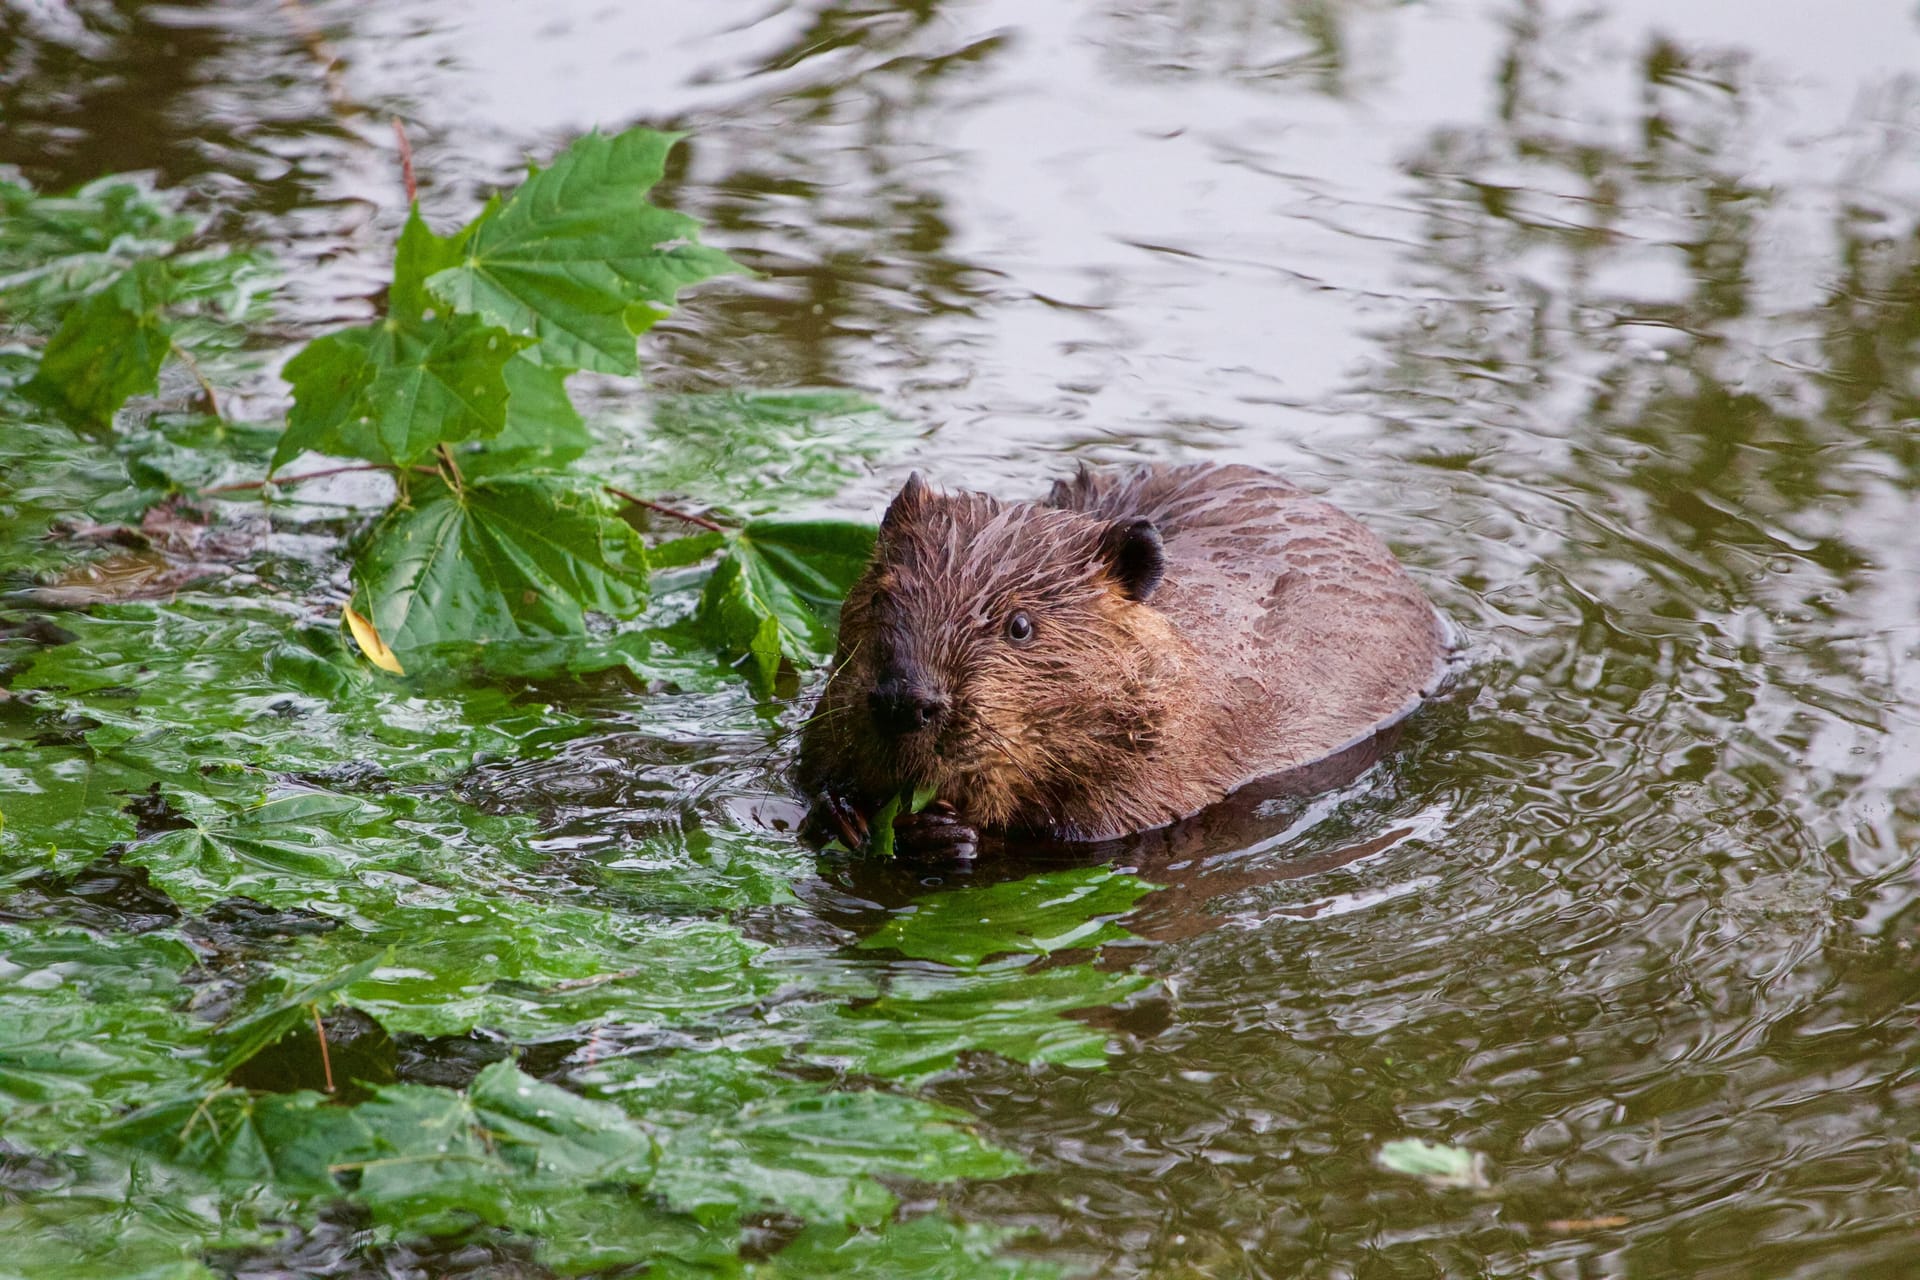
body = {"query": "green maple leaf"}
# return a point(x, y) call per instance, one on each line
point(111, 345)
point(576, 259)
point(542, 428)
point(501, 558)
point(776, 593)
point(390, 392)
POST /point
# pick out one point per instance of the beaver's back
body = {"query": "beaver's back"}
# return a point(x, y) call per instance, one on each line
point(1309, 633)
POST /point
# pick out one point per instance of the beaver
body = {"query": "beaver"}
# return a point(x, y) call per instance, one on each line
point(1114, 658)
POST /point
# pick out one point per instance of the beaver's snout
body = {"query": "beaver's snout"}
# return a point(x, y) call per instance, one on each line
point(902, 705)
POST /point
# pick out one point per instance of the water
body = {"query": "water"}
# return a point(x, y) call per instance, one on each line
point(1605, 316)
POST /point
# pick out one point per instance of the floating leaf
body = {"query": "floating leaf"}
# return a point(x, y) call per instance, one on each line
point(437, 1159)
point(502, 558)
point(776, 593)
point(390, 392)
point(112, 345)
point(367, 636)
point(287, 1141)
point(925, 1022)
point(576, 259)
point(1438, 1165)
point(56, 249)
point(734, 1136)
point(282, 1011)
point(1039, 914)
point(927, 1248)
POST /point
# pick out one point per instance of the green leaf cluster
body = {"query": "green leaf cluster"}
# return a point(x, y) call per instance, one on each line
point(109, 270)
point(296, 835)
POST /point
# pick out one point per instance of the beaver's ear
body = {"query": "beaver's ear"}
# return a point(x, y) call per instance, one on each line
point(1134, 557)
point(906, 504)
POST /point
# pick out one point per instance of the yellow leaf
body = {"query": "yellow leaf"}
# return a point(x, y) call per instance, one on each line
point(367, 636)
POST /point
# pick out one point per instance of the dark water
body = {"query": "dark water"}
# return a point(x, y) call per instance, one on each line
point(1606, 316)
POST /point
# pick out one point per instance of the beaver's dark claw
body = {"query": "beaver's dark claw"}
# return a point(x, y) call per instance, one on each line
point(836, 815)
point(937, 831)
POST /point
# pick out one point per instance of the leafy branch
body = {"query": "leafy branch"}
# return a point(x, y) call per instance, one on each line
point(459, 393)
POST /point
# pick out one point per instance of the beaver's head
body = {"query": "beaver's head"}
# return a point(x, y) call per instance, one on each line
point(1003, 654)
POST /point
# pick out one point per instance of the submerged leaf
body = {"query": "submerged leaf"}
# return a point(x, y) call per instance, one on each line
point(54, 249)
point(576, 259)
point(1437, 1164)
point(503, 558)
point(735, 1137)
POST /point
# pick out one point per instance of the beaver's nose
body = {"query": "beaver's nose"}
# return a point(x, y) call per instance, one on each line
point(901, 707)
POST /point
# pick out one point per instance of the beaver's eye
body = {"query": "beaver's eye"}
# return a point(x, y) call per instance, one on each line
point(1020, 628)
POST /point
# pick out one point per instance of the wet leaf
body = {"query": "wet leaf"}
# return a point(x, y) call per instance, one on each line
point(1040, 914)
point(735, 1136)
point(435, 1159)
point(367, 636)
point(276, 1013)
point(418, 253)
point(576, 259)
point(543, 432)
point(503, 558)
point(111, 345)
point(288, 1141)
point(776, 592)
point(924, 1023)
point(927, 1248)
point(1436, 1164)
point(390, 392)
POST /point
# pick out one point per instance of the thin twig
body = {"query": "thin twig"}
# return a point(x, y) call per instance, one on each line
point(193, 367)
point(596, 980)
point(406, 160)
point(699, 521)
point(326, 1059)
point(241, 485)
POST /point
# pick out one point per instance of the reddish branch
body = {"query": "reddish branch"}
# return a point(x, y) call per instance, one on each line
point(406, 160)
point(697, 521)
point(243, 485)
point(326, 1058)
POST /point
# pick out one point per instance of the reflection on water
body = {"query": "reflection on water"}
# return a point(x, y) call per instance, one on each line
point(1608, 316)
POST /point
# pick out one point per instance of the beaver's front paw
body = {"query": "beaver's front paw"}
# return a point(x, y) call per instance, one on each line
point(937, 831)
point(837, 816)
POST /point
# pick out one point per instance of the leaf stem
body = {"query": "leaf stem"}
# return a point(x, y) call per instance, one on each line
point(450, 469)
point(406, 161)
point(326, 1059)
point(193, 367)
point(240, 486)
point(686, 518)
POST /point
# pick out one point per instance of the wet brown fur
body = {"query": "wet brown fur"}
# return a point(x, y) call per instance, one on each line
point(1281, 631)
